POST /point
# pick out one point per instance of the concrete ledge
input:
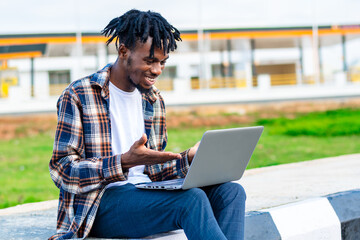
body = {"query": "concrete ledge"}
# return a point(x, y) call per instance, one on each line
point(282, 203)
point(29, 207)
point(347, 207)
point(335, 216)
point(332, 217)
point(173, 235)
point(260, 225)
point(37, 225)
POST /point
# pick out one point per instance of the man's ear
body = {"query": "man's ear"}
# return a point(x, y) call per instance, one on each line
point(123, 51)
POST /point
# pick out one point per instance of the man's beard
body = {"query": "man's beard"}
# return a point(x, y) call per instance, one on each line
point(132, 82)
point(129, 63)
point(138, 86)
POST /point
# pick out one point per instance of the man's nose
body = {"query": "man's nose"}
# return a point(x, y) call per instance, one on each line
point(156, 69)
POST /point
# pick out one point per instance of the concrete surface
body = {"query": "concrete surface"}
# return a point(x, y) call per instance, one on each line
point(332, 217)
point(347, 207)
point(277, 185)
point(271, 193)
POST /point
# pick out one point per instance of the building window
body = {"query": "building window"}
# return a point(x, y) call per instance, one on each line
point(222, 70)
point(168, 73)
point(58, 81)
point(166, 79)
point(59, 50)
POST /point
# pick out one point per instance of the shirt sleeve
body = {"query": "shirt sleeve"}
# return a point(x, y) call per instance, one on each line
point(177, 168)
point(69, 168)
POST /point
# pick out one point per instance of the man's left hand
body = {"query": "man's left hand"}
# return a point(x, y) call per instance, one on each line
point(192, 152)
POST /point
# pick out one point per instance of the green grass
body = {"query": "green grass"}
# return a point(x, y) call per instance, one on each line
point(342, 122)
point(24, 175)
point(275, 149)
point(24, 172)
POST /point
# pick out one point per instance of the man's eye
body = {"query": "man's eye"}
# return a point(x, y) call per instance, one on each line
point(149, 62)
point(163, 62)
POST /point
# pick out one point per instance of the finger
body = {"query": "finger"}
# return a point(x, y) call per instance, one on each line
point(168, 155)
point(197, 144)
point(142, 140)
point(174, 155)
point(163, 156)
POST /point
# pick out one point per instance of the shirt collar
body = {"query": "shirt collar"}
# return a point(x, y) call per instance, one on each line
point(102, 79)
point(150, 95)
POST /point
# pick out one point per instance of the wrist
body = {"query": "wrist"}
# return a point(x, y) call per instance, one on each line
point(189, 158)
point(124, 162)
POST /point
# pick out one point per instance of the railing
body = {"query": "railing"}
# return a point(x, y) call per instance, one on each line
point(165, 84)
point(290, 79)
point(309, 80)
point(279, 79)
point(227, 82)
point(354, 77)
point(214, 83)
point(57, 89)
point(218, 82)
point(283, 79)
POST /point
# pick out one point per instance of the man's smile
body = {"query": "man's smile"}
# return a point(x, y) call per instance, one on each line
point(150, 80)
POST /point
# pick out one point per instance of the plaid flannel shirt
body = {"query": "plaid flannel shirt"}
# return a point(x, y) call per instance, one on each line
point(82, 163)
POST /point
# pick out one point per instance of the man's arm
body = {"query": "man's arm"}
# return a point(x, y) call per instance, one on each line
point(171, 169)
point(69, 167)
point(140, 155)
point(192, 151)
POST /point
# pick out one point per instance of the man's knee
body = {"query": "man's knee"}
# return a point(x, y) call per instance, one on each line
point(230, 192)
point(194, 198)
point(196, 194)
point(236, 188)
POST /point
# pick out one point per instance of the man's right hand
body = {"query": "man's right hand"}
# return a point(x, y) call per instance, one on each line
point(140, 155)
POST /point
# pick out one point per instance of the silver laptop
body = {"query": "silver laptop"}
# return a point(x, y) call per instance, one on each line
point(222, 156)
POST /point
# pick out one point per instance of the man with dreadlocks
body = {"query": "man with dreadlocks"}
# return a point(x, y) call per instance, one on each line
point(111, 134)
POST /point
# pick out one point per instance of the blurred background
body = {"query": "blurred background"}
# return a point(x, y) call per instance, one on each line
point(292, 66)
point(297, 49)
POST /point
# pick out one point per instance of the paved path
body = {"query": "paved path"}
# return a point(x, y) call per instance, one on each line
point(276, 185)
point(266, 187)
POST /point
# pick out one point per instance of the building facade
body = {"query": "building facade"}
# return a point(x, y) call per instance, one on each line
point(40, 66)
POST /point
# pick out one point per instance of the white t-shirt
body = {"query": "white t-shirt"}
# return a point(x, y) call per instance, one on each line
point(127, 126)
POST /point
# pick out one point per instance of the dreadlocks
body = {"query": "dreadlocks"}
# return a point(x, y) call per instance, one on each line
point(136, 25)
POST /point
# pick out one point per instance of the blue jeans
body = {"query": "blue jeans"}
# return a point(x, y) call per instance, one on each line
point(215, 212)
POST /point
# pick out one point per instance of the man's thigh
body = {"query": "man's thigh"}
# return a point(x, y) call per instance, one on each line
point(126, 211)
point(225, 193)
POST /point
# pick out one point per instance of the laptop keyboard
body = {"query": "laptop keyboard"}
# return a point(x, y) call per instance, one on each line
point(178, 181)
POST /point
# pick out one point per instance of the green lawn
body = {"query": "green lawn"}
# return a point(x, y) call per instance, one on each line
point(24, 175)
point(24, 172)
point(277, 149)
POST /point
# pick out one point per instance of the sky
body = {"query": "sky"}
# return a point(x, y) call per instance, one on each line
point(53, 16)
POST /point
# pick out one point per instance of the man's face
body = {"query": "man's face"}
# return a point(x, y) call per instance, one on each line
point(141, 69)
